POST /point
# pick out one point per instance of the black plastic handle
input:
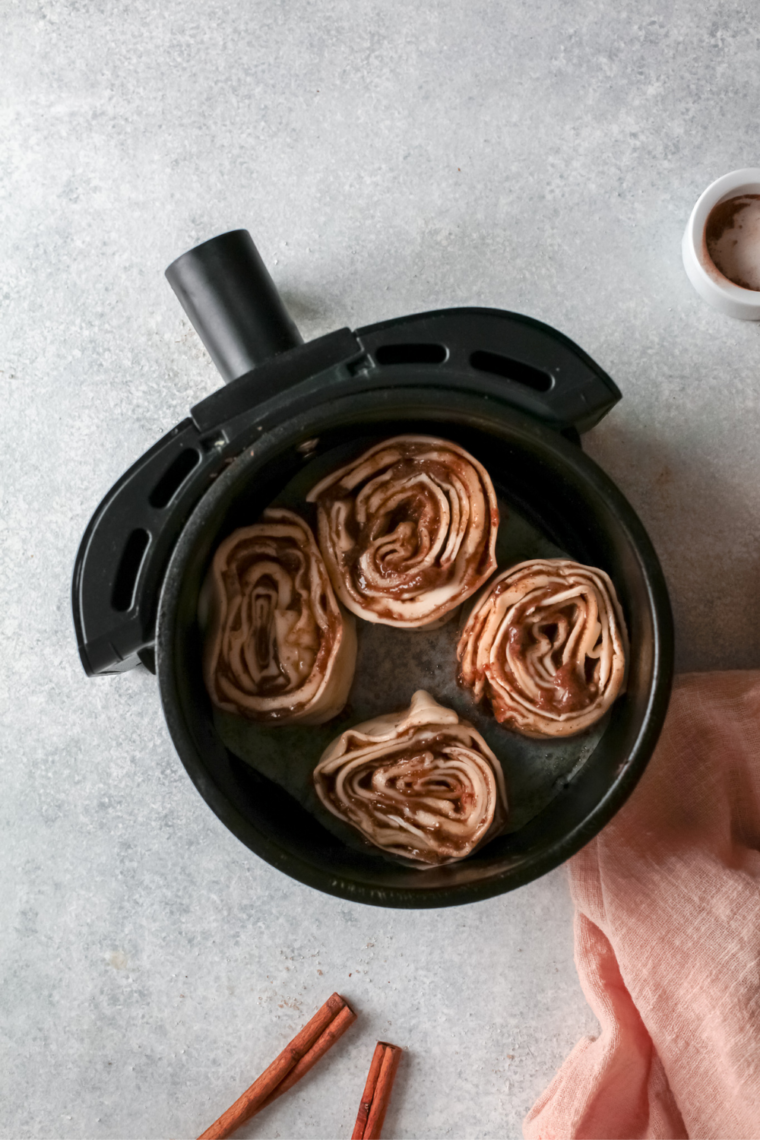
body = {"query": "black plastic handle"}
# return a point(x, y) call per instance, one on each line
point(234, 306)
point(507, 356)
point(233, 303)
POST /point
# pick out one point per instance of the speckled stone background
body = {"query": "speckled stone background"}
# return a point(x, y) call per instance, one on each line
point(539, 155)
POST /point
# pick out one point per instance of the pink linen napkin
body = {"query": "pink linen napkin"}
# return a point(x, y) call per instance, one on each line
point(667, 938)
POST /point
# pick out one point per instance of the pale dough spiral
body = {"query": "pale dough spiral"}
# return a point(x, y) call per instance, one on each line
point(547, 644)
point(421, 784)
point(407, 530)
point(278, 647)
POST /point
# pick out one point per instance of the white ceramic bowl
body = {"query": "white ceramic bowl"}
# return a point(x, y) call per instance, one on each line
point(709, 282)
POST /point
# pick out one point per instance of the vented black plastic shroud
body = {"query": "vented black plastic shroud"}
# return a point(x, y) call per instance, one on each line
point(271, 376)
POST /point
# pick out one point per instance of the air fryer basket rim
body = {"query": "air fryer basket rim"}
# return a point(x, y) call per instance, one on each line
point(373, 409)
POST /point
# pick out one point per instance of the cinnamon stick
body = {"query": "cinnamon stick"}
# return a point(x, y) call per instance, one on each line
point(377, 1092)
point(369, 1092)
point(326, 1041)
point(312, 1042)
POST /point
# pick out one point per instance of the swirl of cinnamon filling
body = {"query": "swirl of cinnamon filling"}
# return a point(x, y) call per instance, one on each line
point(547, 644)
point(277, 648)
point(407, 530)
point(422, 783)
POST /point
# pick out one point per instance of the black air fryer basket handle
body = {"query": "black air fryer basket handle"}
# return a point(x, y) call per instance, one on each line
point(271, 375)
point(233, 303)
point(506, 356)
point(234, 306)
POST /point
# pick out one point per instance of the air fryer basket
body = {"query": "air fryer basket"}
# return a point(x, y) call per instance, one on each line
point(576, 505)
point(514, 392)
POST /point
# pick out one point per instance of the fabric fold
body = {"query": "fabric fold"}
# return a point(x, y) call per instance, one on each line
point(667, 938)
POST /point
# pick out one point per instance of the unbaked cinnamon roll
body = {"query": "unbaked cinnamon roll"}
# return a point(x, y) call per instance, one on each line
point(421, 784)
point(278, 647)
point(546, 644)
point(407, 530)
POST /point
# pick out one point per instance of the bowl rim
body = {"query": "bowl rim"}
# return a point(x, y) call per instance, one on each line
point(723, 294)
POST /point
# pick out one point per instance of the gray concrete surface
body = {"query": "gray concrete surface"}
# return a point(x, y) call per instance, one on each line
point(541, 156)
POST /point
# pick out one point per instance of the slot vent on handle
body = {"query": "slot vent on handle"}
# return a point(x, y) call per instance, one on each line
point(129, 569)
point(515, 370)
point(411, 353)
point(173, 478)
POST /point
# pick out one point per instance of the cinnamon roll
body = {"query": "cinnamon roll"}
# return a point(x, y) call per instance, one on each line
point(407, 530)
point(421, 784)
point(546, 644)
point(278, 647)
